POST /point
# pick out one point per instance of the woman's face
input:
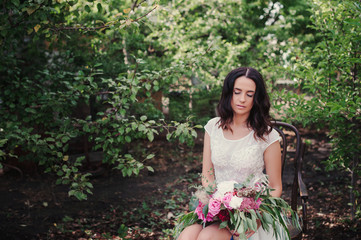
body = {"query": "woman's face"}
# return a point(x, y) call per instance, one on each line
point(243, 94)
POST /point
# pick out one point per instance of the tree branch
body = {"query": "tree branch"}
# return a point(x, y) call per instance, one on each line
point(74, 28)
point(145, 14)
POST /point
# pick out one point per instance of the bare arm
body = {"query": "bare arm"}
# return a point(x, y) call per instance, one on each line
point(272, 160)
point(273, 164)
point(207, 166)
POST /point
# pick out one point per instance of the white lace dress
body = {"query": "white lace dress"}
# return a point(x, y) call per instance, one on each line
point(238, 159)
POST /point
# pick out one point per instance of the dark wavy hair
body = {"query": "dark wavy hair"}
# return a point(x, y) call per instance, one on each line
point(259, 118)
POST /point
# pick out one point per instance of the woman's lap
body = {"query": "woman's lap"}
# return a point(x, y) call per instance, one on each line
point(190, 232)
point(197, 232)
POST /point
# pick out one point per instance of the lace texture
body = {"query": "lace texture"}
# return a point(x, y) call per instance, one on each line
point(237, 159)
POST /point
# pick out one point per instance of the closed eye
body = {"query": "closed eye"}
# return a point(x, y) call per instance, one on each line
point(238, 91)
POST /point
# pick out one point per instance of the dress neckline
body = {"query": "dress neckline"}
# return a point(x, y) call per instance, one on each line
point(236, 139)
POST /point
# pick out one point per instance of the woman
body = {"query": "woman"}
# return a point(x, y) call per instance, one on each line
point(239, 143)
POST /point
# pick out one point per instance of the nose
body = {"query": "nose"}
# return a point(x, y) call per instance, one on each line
point(242, 98)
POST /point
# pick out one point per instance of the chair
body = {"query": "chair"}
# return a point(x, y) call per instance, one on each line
point(299, 194)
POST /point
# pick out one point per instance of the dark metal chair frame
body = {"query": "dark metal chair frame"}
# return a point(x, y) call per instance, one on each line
point(299, 189)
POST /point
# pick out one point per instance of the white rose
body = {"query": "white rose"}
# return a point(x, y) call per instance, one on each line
point(224, 187)
point(217, 195)
point(235, 202)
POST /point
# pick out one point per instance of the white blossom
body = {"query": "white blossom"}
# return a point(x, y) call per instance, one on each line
point(223, 188)
point(235, 202)
point(202, 196)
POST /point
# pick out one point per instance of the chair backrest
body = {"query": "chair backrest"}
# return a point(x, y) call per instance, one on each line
point(284, 129)
point(299, 190)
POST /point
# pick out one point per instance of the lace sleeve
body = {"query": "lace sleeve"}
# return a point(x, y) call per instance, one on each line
point(272, 137)
point(209, 127)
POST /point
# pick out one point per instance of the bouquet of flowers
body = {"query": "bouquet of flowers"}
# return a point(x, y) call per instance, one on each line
point(240, 207)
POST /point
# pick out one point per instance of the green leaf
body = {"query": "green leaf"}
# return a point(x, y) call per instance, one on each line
point(223, 224)
point(31, 10)
point(87, 8)
point(16, 2)
point(136, 171)
point(205, 210)
point(150, 169)
point(267, 217)
point(353, 21)
point(250, 224)
point(129, 172)
point(65, 139)
point(99, 6)
point(80, 195)
point(194, 133)
point(141, 127)
point(150, 136)
point(30, 110)
point(86, 128)
point(169, 135)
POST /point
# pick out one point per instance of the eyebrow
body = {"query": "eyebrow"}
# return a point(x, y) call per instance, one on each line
point(241, 90)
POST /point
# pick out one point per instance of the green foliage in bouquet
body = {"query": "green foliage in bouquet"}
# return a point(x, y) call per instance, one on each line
point(239, 207)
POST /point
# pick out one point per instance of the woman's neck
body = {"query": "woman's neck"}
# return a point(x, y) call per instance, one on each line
point(240, 121)
point(237, 129)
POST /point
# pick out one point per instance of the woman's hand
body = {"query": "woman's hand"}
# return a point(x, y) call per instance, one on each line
point(248, 233)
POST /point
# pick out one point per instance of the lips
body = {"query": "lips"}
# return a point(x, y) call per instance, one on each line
point(240, 106)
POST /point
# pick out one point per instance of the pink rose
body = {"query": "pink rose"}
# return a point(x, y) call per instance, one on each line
point(214, 206)
point(258, 203)
point(199, 211)
point(249, 203)
point(209, 218)
point(226, 200)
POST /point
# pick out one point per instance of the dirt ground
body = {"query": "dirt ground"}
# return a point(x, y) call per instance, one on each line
point(145, 207)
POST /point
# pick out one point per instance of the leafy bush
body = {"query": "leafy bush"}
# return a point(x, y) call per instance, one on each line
point(204, 103)
point(73, 71)
point(329, 77)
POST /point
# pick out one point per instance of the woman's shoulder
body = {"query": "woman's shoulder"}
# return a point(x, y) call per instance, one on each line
point(271, 136)
point(211, 125)
point(272, 131)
